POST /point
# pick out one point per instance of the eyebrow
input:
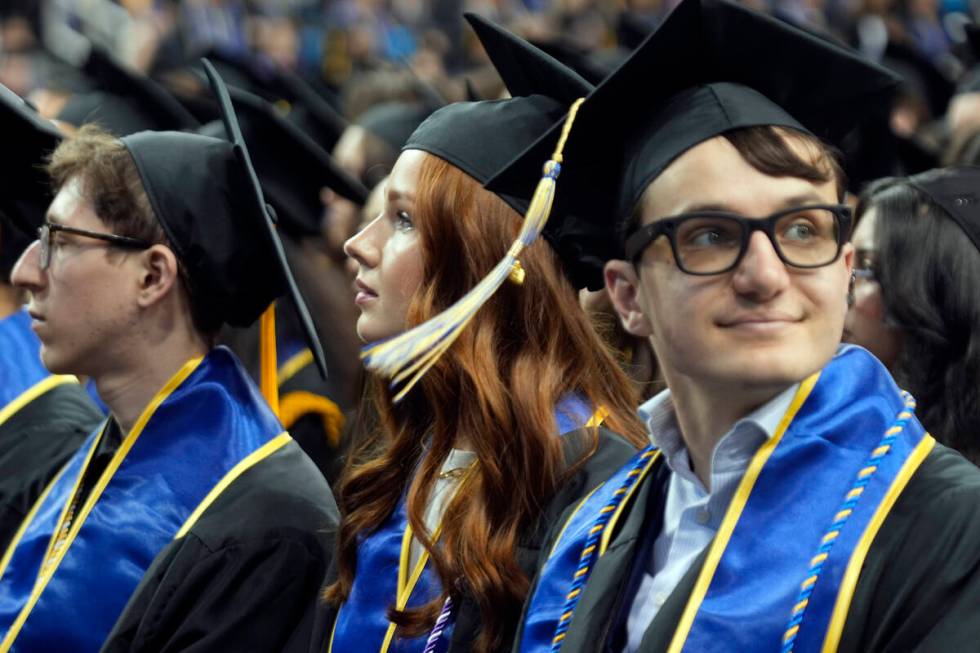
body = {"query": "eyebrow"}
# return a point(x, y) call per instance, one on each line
point(796, 200)
point(395, 194)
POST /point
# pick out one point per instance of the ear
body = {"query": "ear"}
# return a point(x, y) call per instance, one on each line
point(848, 255)
point(158, 275)
point(623, 286)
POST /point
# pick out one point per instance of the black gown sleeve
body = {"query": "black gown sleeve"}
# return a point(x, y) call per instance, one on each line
point(35, 443)
point(247, 576)
point(920, 586)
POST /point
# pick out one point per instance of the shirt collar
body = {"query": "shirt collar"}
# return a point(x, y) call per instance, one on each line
point(661, 420)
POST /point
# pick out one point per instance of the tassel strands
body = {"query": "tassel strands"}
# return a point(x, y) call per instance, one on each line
point(407, 357)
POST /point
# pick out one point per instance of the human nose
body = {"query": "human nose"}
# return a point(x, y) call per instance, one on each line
point(27, 272)
point(760, 274)
point(363, 246)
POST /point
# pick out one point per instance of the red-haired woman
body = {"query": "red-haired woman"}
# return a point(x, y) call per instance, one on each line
point(445, 508)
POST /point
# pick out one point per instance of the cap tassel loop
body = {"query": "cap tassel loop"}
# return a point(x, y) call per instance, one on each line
point(407, 357)
point(268, 365)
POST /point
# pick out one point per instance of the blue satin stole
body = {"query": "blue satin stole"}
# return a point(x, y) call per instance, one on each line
point(786, 546)
point(20, 357)
point(207, 425)
point(382, 577)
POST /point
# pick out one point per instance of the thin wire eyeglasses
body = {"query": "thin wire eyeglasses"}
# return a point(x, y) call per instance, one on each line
point(47, 230)
point(714, 242)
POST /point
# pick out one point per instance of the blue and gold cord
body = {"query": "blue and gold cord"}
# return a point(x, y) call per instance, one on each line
point(850, 501)
point(591, 549)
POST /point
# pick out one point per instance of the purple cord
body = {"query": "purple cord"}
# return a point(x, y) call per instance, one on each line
point(436, 634)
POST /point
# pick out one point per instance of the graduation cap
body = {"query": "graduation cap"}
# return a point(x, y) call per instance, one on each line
point(711, 67)
point(291, 167)
point(123, 102)
point(394, 122)
point(207, 197)
point(302, 105)
point(542, 90)
point(27, 191)
point(956, 190)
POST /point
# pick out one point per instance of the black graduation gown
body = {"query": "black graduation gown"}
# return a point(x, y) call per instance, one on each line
point(919, 588)
point(612, 453)
point(35, 442)
point(318, 428)
point(246, 576)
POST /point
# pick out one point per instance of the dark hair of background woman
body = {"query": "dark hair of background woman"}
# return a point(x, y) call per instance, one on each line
point(928, 271)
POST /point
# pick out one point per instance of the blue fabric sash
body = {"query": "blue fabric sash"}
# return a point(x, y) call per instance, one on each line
point(208, 419)
point(760, 569)
point(561, 575)
point(20, 357)
point(382, 557)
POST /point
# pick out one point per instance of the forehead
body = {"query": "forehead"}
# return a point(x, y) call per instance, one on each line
point(714, 174)
point(404, 178)
point(70, 207)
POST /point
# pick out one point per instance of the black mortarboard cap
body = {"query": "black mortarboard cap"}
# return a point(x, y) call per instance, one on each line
point(207, 197)
point(124, 102)
point(26, 190)
point(957, 191)
point(291, 167)
point(542, 89)
point(579, 59)
point(307, 109)
point(711, 67)
point(394, 122)
point(29, 139)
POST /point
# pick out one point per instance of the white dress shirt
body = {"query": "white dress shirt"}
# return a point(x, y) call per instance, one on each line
point(692, 514)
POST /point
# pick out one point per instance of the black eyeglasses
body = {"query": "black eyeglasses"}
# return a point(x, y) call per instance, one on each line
point(713, 242)
point(46, 231)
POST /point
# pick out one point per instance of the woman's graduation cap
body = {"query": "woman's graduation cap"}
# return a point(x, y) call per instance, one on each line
point(478, 138)
point(711, 67)
point(206, 195)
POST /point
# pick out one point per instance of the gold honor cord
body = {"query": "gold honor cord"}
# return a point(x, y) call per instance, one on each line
point(268, 366)
point(406, 358)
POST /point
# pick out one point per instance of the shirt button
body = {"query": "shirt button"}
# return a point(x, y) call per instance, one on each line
point(660, 598)
point(702, 516)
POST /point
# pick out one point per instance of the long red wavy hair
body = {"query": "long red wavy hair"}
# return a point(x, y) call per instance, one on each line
point(496, 389)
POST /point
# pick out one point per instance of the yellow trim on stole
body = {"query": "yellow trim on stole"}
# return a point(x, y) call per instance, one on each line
point(33, 393)
point(845, 592)
point(291, 367)
point(49, 567)
point(568, 521)
point(263, 452)
point(406, 584)
point(732, 516)
point(296, 404)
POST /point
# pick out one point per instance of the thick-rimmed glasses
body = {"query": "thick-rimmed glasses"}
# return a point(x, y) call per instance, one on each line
point(713, 242)
point(46, 232)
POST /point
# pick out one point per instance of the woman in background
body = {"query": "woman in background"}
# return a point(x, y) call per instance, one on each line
point(916, 305)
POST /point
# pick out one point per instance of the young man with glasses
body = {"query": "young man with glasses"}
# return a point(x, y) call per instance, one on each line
point(190, 520)
point(790, 499)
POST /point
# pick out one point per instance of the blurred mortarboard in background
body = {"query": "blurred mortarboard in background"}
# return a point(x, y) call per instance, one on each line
point(300, 103)
point(394, 122)
point(592, 66)
point(291, 167)
point(123, 101)
point(920, 76)
point(712, 66)
point(26, 188)
point(957, 190)
point(971, 80)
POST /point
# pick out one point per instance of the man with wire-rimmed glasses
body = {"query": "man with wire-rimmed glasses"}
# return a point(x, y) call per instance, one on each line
point(790, 499)
point(189, 520)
